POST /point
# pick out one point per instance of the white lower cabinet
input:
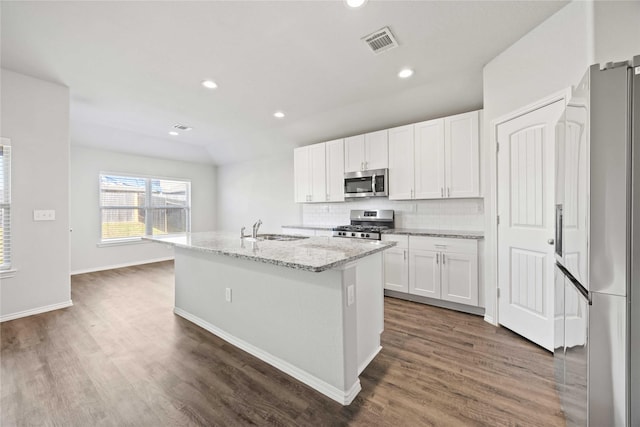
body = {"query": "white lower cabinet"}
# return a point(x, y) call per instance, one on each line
point(424, 273)
point(434, 267)
point(396, 263)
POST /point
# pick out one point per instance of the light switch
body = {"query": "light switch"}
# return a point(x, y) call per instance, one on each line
point(44, 215)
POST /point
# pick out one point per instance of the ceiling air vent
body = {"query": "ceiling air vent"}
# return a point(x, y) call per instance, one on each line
point(182, 127)
point(381, 40)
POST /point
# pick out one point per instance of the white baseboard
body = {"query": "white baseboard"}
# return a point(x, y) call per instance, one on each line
point(344, 397)
point(38, 310)
point(490, 319)
point(114, 266)
point(368, 360)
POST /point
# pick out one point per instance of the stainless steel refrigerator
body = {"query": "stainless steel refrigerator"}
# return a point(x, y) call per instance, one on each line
point(597, 243)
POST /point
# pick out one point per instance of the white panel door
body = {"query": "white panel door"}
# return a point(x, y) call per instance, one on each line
point(301, 172)
point(401, 163)
point(429, 159)
point(354, 153)
point(317, 157)
point(424, 273)
point(376, 150)
point(461, 151)
point(526, 229)
point(335, 170)
point(459, 277)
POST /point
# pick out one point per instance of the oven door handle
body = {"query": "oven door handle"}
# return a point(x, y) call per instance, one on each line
point(373, 183)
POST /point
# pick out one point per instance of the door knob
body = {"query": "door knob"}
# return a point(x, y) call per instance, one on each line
point(550, 241)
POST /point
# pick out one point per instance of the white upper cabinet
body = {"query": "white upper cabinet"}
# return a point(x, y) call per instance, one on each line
point(376, 150)
point(354, 153)
point(429, 160)
point(435, 159)
point(461, 155)
point(317, 158)
point(302, 174)
point(366, 152)
point(401, 165)
point(335, 170)
point(310, 177)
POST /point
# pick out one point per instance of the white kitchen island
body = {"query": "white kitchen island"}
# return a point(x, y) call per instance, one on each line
point(312, 308)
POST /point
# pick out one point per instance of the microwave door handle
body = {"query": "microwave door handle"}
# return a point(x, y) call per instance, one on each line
point(373, 183)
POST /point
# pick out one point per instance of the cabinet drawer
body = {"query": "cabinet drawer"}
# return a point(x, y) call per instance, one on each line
point(403, 241)
point(442, 244)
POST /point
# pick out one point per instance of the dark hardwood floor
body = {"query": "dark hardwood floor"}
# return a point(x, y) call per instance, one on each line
point(120, 357)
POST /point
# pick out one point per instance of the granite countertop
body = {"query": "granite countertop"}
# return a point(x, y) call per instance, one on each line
point(311, 227)
point(313, 254)
point(458, 234)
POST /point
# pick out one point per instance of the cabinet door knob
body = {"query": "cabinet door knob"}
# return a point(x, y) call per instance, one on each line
point(550, 241)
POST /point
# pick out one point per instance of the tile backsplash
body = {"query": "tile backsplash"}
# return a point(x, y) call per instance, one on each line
point(446, 214)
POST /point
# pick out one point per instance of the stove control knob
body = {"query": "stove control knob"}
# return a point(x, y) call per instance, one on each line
point(353, 234)
point(361, 234)
point(366, 235)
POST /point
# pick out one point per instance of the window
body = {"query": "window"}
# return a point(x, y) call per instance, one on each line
point(131, 207)
point(5, 204)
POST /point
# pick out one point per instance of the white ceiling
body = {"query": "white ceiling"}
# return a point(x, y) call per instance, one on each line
point(134, 68)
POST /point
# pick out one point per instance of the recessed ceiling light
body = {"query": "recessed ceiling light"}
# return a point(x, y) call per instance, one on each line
point(405, 73)
point(209, 84)
point(174, 133)
point(278, 114)
point(355, 3)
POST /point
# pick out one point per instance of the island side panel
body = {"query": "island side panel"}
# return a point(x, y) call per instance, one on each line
point(296, 316)
point(370, 295)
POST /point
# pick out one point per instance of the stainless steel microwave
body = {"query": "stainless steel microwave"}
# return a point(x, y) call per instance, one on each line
point(372, 183)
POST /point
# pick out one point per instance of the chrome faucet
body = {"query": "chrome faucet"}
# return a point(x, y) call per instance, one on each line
point(256, 226)
point(242, 235)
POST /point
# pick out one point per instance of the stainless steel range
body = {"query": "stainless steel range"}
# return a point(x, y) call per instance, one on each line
point(366, 224)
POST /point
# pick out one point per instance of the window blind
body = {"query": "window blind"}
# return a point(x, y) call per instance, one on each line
point(5, 207)
point(132, 207)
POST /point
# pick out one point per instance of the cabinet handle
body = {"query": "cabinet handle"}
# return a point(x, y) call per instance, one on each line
point(441, 191)
point(437, 258)
point(405, 255)
point(448, 192)
point(443, 262)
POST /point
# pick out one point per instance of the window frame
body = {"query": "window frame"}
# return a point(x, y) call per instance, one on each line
point(6, 267)
point(148, 207)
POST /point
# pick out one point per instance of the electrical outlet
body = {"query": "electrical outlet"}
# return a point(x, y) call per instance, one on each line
point(44, 215)
point(350, 294)
point(227, 294)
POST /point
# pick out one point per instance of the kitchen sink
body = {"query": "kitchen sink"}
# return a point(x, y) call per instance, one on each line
point(280, 237)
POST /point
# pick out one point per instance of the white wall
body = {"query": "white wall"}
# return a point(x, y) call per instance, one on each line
point(35, 116)
point(549, 59)
point(617, 30)
point(87, 163)
point(261, 189)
